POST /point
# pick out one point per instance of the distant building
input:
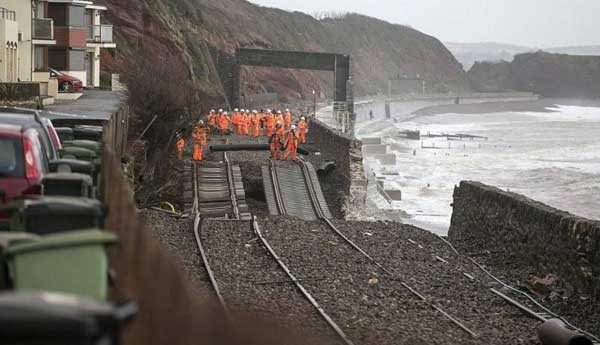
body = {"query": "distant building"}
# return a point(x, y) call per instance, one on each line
point(26, 33)
point(80, 35)
point(66, 35)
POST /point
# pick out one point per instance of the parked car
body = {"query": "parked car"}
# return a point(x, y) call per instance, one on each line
point(53, 133)
point(23, 163)
point(28, 117)
point(66, 83)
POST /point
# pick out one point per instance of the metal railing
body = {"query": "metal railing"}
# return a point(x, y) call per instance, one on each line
point(7, 14)
point(100, 34)
point(43, 28)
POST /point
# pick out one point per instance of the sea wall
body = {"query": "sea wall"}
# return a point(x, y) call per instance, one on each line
point(552, 241)
point(348, 178)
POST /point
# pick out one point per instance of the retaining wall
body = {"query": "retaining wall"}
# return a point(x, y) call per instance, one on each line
point(349, 174)
point(552, 241)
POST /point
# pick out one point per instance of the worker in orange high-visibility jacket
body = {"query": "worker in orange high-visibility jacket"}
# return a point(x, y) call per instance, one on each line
point(245, 122)
point(276, 141)
point(255, 123)
point(269, 122)
point(235, 115)
point(180, 144)
point(223, 122)
point(279, 117)
point(200, 139)
point(291, 144)
point(287, 119)
point(302, 130)
point(212, 119)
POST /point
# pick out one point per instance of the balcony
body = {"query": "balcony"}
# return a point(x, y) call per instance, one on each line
point(43, 29)
point(7, 14)
point(100, 34)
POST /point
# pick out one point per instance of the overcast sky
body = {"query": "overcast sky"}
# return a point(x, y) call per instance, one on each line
point(533, 23)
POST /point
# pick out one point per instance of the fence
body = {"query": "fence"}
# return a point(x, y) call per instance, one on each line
point(21, 91)
point(145, 272)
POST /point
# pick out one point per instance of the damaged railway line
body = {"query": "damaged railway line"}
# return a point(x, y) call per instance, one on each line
point(343, 282)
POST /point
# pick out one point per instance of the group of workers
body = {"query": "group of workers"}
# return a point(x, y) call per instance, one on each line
point(284, 136)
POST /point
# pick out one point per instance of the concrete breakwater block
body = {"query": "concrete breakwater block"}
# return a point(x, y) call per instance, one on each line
point(371, 141)
point(395, 195)
point(386, 159)
point(371, 150)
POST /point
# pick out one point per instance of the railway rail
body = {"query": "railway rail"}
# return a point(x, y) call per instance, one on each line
point(322, 213)
point(529, 305)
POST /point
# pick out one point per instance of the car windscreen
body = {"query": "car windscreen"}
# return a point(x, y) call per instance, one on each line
point(11, 158)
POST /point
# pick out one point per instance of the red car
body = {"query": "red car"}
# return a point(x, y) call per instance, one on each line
point(66, 83)
point(22, 163)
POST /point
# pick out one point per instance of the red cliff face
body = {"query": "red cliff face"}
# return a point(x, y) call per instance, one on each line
point(205, 33)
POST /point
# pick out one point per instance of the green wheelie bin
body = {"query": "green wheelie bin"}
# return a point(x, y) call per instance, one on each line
point(64, 133)
point(82, 132)
point(86, 144)
point(72, 262)
point(42, 215)
point(78, 153)
point(68, 184)
point(6, 240)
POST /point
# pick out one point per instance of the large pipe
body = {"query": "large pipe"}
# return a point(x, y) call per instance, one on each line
point(554, 332)
point(248, 147)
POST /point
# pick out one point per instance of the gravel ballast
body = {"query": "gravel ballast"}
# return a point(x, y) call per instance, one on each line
point(252, 282)
point(370, 307)
point(428, 264)
point(177, 236)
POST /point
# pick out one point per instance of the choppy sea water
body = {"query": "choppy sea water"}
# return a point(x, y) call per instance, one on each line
point(551, 157)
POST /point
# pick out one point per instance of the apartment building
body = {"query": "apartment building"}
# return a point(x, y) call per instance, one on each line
point(26, 34)
point(66, 35)
point(80, 35)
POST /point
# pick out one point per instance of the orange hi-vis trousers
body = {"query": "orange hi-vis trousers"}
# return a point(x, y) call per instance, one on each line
point(197, 152)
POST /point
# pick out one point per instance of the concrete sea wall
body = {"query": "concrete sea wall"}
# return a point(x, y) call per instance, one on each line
point(346, 151)
point(552, 241)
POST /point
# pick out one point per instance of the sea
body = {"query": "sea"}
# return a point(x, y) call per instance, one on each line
point(551, 156)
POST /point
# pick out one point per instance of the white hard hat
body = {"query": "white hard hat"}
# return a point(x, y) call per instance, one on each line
point(236, 109)
point(254, 111)
point(201, 122)
point(302, 118)
point(268, 110)
point(224, 113)
point(220, 110)
point(279, 112)
point(212, 110)
point(287, 110)
point(293, 126)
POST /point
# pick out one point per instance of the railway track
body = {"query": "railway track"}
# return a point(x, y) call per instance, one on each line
point(524, 301)
point(307, 190)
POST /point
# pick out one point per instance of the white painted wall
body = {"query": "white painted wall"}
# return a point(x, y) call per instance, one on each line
point(8, 57)
point(25, 54)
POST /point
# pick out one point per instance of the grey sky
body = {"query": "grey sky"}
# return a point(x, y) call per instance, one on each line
point(534, 23)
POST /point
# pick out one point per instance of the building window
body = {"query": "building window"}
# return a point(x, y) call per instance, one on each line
point(57, 59)
point(41, 59)
point(66, 59)
point(77, 16)
point(58, 12)
point(76, 60)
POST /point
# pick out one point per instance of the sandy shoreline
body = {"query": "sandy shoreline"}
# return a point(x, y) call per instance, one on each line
point(498, 107)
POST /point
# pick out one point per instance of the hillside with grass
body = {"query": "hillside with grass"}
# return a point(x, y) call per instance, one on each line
point(203, 35)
